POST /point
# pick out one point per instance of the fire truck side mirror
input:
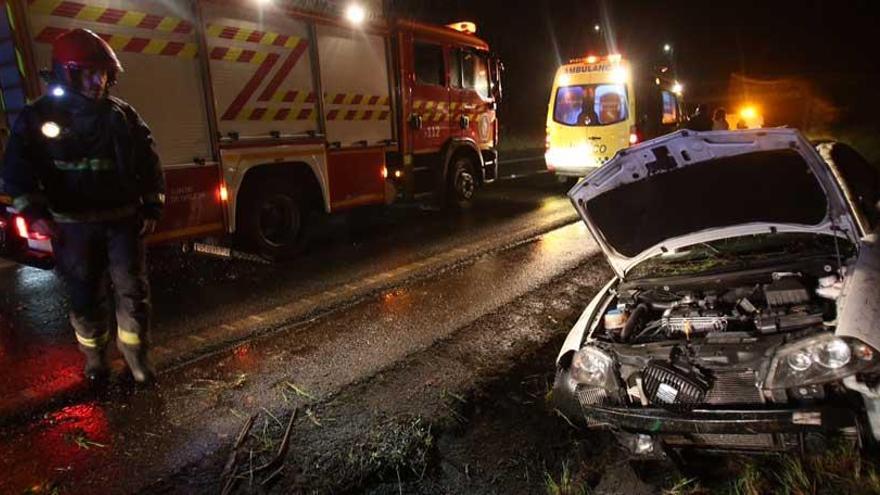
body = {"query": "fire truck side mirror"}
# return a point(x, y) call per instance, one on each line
point(415, 121)
point(497, 71)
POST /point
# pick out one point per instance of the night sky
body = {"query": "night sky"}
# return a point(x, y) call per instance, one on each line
point(833, 43)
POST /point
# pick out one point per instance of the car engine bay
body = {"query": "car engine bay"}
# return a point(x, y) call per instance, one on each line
point(690, 345)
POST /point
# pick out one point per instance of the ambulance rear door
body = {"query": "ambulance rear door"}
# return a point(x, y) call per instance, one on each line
point(592, 108)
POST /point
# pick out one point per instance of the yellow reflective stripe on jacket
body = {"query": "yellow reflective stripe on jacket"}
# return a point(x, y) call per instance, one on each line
point(128, 338)
point(92, 342)
point(94, 164)
point(154, 198)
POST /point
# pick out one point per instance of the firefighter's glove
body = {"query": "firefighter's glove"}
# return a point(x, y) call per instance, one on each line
point(148, 226)
point(46, 227)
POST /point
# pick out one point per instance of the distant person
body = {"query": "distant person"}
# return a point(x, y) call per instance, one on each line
point(611, 108)
point(569, 109)
point(741, 124)
point(719, 120)
point(588, 113)
point(700, 120)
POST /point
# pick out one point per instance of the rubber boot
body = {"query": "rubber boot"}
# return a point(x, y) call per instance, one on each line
point(96, 370)
point(136, 358)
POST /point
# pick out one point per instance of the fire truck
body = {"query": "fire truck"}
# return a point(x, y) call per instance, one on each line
point(267, 115)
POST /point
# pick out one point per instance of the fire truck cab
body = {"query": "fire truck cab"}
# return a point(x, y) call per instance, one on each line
point(267, 116)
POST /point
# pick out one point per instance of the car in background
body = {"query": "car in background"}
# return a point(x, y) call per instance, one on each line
point(745, 310)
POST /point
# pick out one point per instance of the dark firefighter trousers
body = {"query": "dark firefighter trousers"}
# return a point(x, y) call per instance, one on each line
point(87, 254)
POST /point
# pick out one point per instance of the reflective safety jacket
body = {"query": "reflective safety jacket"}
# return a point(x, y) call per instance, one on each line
point(81, 160)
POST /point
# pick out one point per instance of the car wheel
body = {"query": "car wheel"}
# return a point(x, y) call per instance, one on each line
point(274, 220)
point(462, 182)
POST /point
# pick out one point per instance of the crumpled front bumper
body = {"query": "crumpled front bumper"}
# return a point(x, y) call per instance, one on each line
point(721, 421)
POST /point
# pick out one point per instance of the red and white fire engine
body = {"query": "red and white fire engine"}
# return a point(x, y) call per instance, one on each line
point(265, 114)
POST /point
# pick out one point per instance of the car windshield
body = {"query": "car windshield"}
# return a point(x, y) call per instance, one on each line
point(590, 105)
point(740, 253)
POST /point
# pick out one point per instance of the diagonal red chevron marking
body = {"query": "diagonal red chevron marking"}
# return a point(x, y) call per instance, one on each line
point(284, 71)
point(111, 16)
point(250, 88)
point(68, 9)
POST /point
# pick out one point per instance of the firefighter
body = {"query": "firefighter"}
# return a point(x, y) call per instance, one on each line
point(82, 168)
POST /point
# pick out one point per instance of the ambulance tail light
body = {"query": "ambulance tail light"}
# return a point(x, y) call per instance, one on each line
point(634, 136)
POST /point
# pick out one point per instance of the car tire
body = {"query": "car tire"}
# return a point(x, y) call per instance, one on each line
point(462, 182)
point(274, 220)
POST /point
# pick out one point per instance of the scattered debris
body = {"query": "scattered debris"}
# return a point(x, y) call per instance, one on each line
point(299, 391)
point(233, 472)
point(81, 440)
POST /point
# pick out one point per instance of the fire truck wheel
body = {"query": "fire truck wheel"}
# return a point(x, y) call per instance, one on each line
point(274, 222)
point(462, 182)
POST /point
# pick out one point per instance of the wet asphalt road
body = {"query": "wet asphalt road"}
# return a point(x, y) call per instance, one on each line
point(203, 304)
point(144, 436)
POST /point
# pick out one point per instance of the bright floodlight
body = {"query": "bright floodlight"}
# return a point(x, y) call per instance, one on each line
point(677, 88)
point(597, 27)
point(355, 14)
point(51, 130)
point(667, 48)
point(619, 75)
point(58, 91)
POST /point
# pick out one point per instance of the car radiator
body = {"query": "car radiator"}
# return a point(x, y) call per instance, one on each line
point(667, 386)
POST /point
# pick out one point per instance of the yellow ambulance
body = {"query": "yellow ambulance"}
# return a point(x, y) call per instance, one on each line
point(600, 105)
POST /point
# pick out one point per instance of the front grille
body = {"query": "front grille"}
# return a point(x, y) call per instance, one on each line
point(591, 396)
point(665, 386)
point(734, 387)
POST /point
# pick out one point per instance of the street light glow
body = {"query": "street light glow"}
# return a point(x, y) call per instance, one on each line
point(355, 14)
point(677, 88)
point(748, 112)
point(597, 27)
point(667, 48)
point(263, 2)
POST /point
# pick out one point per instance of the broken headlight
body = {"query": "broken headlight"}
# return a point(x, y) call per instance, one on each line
point(819, 359)
point(591, 366)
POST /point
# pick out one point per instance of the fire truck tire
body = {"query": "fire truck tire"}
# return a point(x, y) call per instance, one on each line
point(274, 222)
point(462, 182)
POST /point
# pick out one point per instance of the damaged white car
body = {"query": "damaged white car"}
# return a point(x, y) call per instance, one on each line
point(745, 311)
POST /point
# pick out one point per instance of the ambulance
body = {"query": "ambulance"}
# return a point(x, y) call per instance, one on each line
point(269, 115)
point(599, 106)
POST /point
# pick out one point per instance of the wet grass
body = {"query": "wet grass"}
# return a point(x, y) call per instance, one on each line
point(399, 448)
point(568, 483)
point(841, 469)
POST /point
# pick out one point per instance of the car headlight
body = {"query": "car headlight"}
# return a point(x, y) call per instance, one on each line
point(591, 366)
point(819, 359)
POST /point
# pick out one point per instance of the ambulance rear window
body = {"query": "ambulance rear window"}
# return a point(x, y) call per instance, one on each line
point(591, 105)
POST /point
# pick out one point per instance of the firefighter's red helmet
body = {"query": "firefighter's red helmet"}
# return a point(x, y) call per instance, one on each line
point(83, 49)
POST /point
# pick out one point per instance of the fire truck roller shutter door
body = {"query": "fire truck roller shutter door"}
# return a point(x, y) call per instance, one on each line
point(261, 72)
point(156, 43)
point(354, 75)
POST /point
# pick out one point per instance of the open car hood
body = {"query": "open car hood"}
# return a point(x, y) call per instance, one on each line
point(688, 188)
